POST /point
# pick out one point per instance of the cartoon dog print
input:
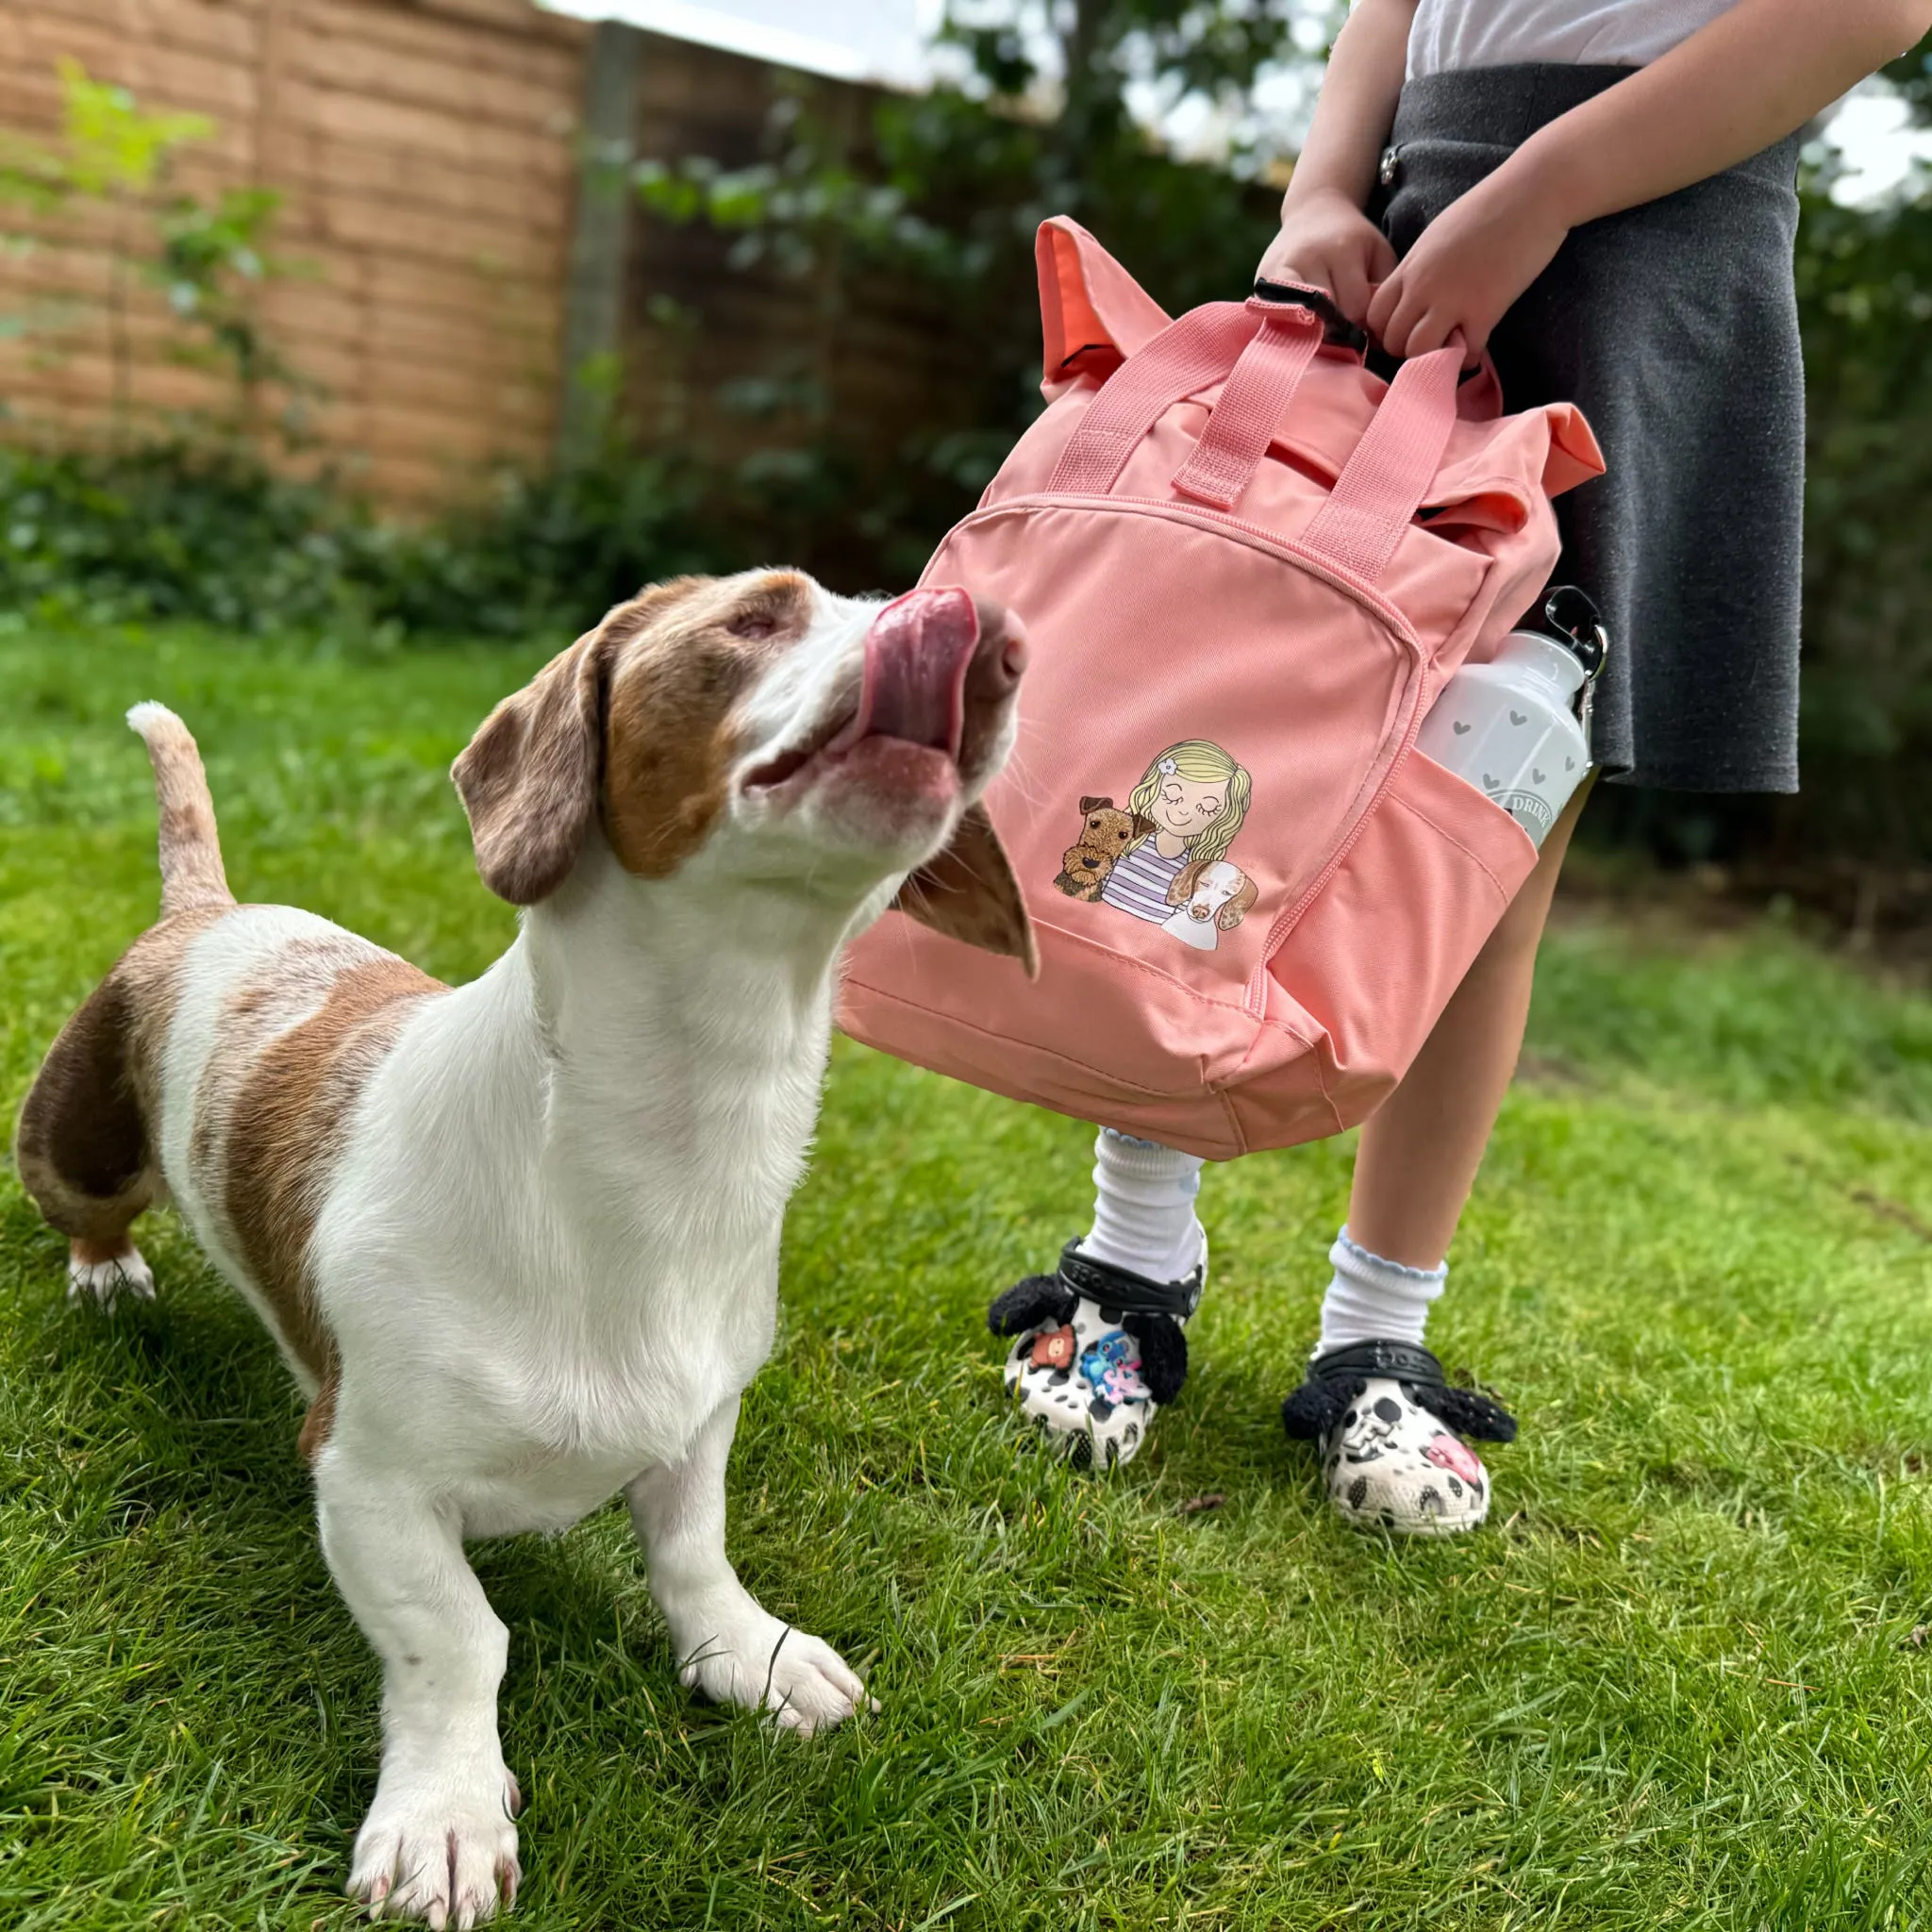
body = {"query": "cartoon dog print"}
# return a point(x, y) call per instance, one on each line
point(1211, 897)
point(1107, 833)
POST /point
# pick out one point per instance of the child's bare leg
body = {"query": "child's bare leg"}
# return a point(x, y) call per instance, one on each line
point(1420, 1150)
point(1389, 1460)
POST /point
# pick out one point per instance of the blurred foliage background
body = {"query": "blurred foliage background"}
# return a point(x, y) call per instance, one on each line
point(1041, 112)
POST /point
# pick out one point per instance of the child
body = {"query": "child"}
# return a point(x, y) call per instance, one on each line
point(1600, 194)
point(1195, 796)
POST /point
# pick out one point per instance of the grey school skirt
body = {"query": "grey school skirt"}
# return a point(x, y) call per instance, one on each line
point(1673, 327)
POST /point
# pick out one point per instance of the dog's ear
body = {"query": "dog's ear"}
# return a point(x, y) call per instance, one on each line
point(1088, 805)
point(528, 779)
point(969, 892)
point(1182, 888)
point(1235, 910)
point(1143, 825)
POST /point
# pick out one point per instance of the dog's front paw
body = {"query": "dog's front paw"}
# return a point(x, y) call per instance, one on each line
point(763, 1664)
point(438, 1850)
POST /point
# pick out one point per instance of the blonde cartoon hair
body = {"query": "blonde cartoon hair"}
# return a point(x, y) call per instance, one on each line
point(1201, 762)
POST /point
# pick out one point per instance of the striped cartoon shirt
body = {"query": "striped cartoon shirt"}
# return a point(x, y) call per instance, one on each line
point(1139, 882)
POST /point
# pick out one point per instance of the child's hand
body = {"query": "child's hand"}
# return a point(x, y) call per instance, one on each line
point(1328, 242)
point(1466, 268)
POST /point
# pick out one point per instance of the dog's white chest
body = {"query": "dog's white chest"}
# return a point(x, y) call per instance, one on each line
point(577, 1458)
point(552, 1417)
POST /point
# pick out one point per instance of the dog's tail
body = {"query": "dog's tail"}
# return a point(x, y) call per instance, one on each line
point(191, 872)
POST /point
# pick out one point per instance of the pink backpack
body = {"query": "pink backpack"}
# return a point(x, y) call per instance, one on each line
point(1246, 567)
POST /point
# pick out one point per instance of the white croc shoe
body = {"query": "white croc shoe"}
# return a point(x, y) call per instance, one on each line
point(1388, 1429)
point(1097, 1351)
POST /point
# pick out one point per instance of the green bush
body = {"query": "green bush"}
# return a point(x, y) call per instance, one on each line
point(173, 531)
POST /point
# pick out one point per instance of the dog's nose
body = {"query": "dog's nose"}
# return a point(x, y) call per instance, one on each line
point(1001, 659)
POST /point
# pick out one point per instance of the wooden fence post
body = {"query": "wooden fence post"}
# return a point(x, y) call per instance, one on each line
point(594, 299)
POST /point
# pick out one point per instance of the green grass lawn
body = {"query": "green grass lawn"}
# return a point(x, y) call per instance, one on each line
point(1677, 1681)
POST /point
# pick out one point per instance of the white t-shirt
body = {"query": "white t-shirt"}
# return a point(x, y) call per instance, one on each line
point(1452, 34)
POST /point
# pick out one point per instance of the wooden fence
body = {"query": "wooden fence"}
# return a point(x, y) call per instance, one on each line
point(868, 355)
point(450, 248)
point(427, 156)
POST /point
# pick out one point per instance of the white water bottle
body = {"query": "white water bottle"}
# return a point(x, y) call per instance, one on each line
point(1512, 727)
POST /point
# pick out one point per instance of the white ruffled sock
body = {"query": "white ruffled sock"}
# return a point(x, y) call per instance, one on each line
point(1373, 1300)
point(1144, 1208)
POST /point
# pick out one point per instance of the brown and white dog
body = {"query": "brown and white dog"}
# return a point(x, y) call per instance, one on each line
point(518, 1240)
point(1213, 896)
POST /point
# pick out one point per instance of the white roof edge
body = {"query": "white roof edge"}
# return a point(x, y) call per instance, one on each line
point(689, 20)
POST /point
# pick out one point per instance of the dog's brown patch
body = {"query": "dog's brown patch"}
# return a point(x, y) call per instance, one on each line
point(98, 1254)
point(676, 679)
point(320, 1019)
point(321, 1418)
point(86, 1144)
point(635, 715)
point(286, 988)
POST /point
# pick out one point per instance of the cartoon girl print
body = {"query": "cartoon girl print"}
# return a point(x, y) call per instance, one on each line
point(1163, 857)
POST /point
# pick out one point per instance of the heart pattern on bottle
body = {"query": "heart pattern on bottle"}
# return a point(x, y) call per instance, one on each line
point(1569, 764)
point(1460, 729)
point(1490, 784)
point(1519, 717)
point(1537, 777)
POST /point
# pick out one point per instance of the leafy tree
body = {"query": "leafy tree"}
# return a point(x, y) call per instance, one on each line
point(945, 191)
point(1865, 296)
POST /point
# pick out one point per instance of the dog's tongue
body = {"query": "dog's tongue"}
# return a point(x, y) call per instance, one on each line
point(917, 655)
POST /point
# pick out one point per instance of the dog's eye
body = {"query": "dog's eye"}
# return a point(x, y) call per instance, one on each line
point(752, 623)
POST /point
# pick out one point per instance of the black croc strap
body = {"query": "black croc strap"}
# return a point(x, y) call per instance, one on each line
point(1399, 1361)
point(1333, 1381)
point(1122, 1290)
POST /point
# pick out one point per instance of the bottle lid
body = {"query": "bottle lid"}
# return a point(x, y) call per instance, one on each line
point(1549, 660)
point(1573, 618)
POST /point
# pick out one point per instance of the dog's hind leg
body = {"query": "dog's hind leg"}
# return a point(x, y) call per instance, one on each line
point(83, 1151)
point(439, 1841)
point(729, 1647)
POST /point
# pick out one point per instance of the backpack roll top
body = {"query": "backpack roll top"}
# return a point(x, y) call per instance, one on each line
point(1246, 565)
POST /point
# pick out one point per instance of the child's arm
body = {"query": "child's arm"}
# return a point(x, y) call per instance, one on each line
point(1325, 238)
point(1747, 80)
